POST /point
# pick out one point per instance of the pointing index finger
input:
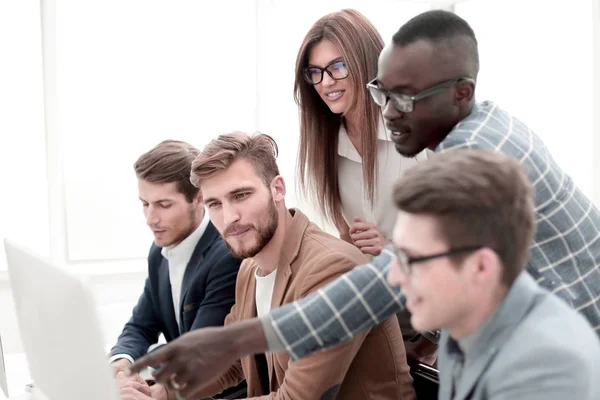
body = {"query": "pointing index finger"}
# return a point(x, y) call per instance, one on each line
point(156, 357)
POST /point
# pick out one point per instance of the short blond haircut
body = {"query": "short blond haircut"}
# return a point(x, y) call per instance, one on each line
point(259, 149)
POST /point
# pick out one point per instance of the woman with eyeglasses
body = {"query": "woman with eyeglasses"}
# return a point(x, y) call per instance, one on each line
point(347, 163)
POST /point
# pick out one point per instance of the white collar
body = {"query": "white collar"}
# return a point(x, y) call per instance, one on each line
point(184, 249)
point(346, 148)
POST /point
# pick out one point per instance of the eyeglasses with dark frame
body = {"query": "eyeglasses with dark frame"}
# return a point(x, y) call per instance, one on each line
point(404, 102)
point(405, 262)
point(336, 70)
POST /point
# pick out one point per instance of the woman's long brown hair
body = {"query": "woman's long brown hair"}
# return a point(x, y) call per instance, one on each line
point(360, 45)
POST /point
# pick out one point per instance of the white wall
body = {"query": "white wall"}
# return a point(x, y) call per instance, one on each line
point(23, 195)
point(537, 64)
point(596, 100)
point(129, 79)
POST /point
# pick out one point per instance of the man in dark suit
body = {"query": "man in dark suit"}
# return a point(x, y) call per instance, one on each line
point(191, 273)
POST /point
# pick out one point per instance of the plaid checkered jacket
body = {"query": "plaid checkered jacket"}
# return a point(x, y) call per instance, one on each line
point(565, 256)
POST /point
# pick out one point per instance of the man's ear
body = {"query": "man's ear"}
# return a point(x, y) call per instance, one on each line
point(278, 188)
point(199, 198)
point(488, 265)
point(465, 92)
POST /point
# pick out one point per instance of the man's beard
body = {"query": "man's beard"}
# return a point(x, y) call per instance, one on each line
point(265, 234)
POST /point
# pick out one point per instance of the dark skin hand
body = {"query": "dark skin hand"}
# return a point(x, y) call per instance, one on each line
point(198, 357)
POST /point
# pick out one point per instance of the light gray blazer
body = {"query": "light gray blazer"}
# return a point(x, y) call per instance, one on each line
point(536, 348)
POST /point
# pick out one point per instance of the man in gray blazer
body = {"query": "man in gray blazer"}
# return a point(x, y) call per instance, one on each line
point(464, 227)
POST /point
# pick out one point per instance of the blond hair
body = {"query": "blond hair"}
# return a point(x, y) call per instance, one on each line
point(260, 149)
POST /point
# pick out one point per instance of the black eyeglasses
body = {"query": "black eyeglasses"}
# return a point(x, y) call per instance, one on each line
point(405, 262)
point(336, 70)
point(406, 103)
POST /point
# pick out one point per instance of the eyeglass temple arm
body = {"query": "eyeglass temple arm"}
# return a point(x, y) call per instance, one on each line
point(440, 87)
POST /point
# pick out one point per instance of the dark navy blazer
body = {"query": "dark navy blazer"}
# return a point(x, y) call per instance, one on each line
point(207, 295)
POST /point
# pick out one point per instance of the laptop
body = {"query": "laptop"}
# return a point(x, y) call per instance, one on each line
point(59, 328)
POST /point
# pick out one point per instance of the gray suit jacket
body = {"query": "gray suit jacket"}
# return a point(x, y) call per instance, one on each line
point(535, 347)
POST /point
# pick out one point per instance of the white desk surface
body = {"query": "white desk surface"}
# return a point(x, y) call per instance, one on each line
point(21, 397)
point(17, 376)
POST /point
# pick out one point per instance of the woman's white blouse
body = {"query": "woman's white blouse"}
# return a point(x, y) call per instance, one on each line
point(353, 194)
